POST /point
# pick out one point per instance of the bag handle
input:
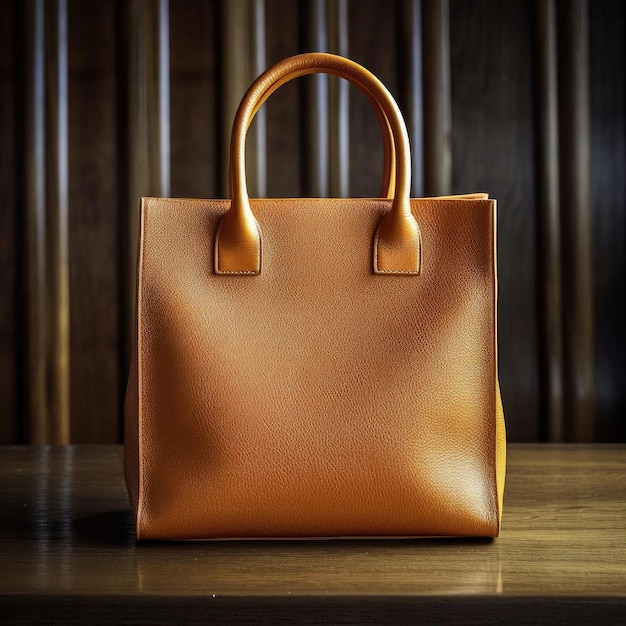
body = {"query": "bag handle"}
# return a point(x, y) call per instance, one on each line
point(389, 154)
point(397, 241)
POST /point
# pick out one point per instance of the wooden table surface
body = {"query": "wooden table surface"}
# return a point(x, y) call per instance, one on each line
point(68, 555)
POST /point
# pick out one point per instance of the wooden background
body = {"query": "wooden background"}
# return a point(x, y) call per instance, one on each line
point(103, 101)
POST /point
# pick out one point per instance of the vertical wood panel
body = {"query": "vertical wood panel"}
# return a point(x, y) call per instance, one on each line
point(161, 97)
point(258, 66)
point(194, 98)
point(144, 28)
point(608, 159)
point(234, 72)
point(57, 208)
point(8, 300)
point(409, 29)
point(437, 101)
point(316, 157)
point(32, 211)
point(493, 150)
point(501, 130)
point(339, 121)
point(372, 44)
point(548, 215)
point(576, 224)
point(93, 220)
point(238, 70)
point(285, 143)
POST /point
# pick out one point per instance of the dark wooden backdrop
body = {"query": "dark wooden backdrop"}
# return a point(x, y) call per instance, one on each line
point(103, 101)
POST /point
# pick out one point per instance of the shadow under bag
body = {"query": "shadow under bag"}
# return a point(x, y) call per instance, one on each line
point(316, 367)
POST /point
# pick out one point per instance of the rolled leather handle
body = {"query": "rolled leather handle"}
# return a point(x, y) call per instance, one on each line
point(389, 154)
point(397, 241)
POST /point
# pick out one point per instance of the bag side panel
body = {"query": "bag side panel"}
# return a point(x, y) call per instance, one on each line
point(131, 400)
point(500, 453)
point(131, 435)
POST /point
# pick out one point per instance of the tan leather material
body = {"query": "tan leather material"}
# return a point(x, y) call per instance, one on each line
point(500, 451)
point(397, 245)
point(335, 393)
point(318, 399)
point(239, 236)
point(397, 241)
point(389, 157)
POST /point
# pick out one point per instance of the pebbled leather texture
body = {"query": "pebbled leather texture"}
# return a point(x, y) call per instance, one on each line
point(396, 242)
point(389, 156)
point(317, 399)
point(314, 367)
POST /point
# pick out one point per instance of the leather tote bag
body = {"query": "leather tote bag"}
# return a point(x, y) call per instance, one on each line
point(316, 368)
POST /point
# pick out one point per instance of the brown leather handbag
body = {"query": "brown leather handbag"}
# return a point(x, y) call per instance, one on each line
point(313, 367)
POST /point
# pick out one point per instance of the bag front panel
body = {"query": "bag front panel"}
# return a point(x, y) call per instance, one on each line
point(316, 399)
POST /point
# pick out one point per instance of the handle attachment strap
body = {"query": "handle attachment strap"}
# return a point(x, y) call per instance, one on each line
point(397, 241)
